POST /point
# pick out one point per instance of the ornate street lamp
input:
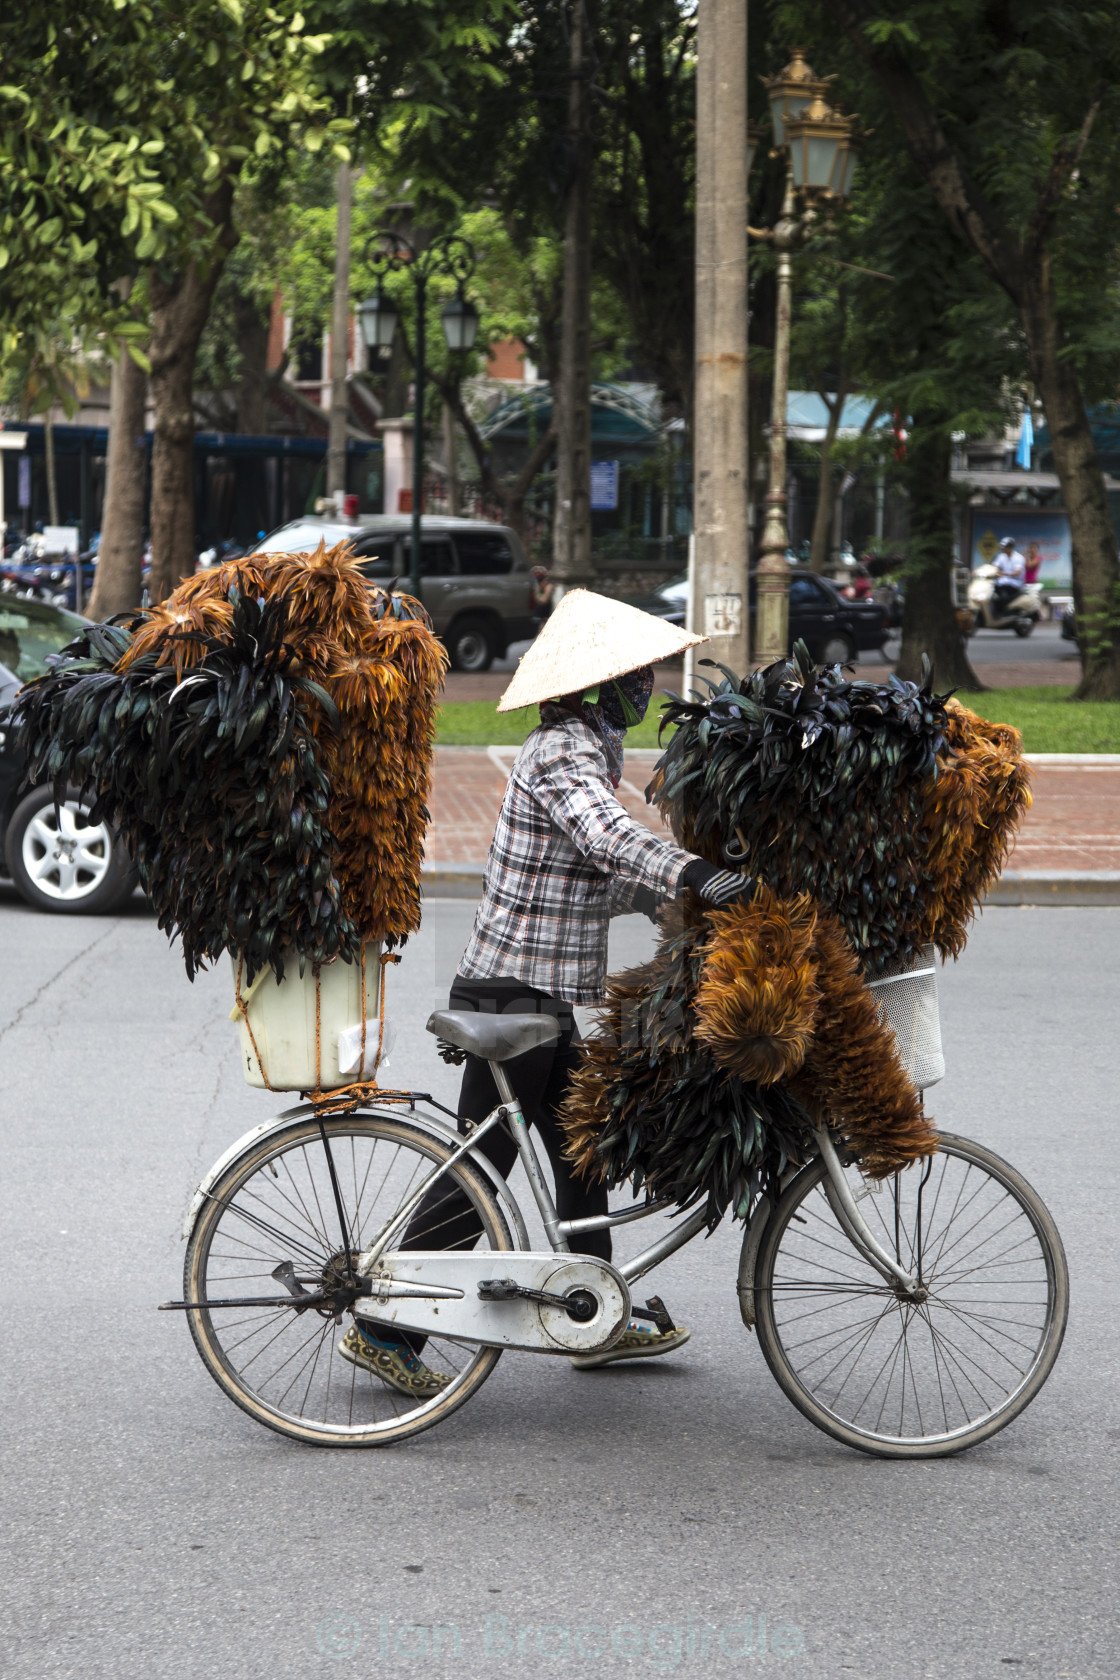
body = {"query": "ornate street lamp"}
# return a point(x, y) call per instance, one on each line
point(459, 319)
point(820, 146)
point(820, 165)
point(791, 92)
point(378, 319)
point(388, 252)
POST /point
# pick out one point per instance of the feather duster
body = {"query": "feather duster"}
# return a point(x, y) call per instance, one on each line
point(650, 1102)
point(263, 740)
point(874, 817)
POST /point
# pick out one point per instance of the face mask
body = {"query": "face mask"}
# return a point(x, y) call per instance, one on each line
point(613, 708)
point(623, 702)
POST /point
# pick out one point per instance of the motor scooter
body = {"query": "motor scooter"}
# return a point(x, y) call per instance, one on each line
point(1020, 614)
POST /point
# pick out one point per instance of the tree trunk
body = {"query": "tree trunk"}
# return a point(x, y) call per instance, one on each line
point(251, 394)
point(826, 489)
point(1096, 578)
point(340, 333)
point(179, 310)
point(52, 471)
point(511, 493)
point(571, 531)
point(929, 619)
point(116, 586)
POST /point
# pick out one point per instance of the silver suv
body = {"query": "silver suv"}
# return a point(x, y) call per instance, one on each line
point(474, 577)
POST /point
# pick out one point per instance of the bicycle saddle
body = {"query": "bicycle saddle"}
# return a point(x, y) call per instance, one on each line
point(495, 1038)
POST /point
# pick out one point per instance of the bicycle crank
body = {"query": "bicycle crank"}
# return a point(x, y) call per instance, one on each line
point(579, 1305)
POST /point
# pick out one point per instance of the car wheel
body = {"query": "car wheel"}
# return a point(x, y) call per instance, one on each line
point(1024, 626)
point(470, 642)
point(65, 863)
point(837, 650)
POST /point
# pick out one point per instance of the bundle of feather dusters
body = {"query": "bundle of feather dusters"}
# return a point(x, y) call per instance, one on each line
point(262, 740)
point(874, 817)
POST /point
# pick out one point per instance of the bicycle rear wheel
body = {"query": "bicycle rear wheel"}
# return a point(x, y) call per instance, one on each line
point(276, 1204)
point(905, 1379)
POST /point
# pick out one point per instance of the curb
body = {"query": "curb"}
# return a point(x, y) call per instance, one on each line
point(451, 880)
point(1037, 887)
point(1086, 887)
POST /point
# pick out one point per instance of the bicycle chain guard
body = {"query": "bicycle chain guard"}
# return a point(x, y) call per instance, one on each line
point(527, 1305)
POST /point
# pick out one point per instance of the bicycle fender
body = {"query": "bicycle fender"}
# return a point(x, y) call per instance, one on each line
point(424, 1122)
point(748, 1260)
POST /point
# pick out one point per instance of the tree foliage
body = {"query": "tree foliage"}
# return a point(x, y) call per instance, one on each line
point(117, 124)
point(1009, 115)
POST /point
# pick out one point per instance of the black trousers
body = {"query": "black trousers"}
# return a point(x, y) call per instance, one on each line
point(446, 1218)
point(540, 1081)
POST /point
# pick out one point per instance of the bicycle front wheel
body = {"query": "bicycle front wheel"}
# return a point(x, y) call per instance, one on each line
point(273, 1222)
point(925, 1378)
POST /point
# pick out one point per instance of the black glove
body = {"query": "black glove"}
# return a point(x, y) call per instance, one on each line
point(645, 902)
point(720, 887)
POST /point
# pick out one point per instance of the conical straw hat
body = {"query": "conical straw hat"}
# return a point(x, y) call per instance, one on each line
point(589, 639)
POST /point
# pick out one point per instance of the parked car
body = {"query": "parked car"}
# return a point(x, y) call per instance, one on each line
point(474, 577)
point(64, 863)
point(834, 629)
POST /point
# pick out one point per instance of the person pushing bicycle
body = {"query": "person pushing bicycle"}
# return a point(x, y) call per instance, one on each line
point(566, 856)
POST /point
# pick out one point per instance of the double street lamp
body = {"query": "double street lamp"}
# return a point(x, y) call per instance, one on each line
point(388, 252)
point(820, 157)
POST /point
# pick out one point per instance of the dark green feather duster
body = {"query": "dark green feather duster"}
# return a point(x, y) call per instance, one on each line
point(215, 782)
point(817, 783)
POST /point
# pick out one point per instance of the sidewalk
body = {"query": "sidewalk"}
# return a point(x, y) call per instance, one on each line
point(1068, 849)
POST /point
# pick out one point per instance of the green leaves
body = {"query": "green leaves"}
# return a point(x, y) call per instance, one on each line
point(112, 137)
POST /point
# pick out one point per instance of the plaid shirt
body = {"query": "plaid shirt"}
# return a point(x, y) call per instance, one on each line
point(565, 857)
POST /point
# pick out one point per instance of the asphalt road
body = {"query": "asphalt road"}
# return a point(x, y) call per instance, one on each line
point(1000, 647)
point(150, 1529)
point(986, 647)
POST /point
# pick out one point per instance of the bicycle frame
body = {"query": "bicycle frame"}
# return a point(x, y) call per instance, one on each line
point(558, 1231)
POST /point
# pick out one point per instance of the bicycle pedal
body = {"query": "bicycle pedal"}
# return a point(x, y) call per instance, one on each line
point(657, 1313)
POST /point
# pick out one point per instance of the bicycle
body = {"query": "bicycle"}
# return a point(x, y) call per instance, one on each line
point(916, 1332)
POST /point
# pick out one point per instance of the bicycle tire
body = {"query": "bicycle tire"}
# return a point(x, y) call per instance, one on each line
point(300, 1210)
point(1032, 1286)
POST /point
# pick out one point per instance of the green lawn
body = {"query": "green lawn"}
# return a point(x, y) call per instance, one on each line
point(1046, 716)
point(1050, 722)
point(477, 723)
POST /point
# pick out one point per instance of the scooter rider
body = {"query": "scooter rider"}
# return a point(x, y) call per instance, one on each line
point(566, 856)
point(1012, 569)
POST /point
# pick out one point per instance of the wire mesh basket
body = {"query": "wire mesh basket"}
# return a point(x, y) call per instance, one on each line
point(907, 1000)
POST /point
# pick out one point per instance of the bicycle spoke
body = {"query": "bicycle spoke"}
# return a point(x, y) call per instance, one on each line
point(901, 1370)
point(285, 1207)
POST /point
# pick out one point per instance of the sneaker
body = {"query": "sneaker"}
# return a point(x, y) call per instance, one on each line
point(638, 1341)
point(394, 1362)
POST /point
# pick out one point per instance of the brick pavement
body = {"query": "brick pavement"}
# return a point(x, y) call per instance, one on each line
point(1075, 820)
point(1074, 823)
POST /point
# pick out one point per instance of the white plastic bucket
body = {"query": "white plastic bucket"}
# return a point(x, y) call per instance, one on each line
point(907, 1002)
point(282, 1016)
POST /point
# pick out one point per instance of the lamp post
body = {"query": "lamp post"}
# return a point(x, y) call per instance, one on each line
point(388, 252)
point(820, 166)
